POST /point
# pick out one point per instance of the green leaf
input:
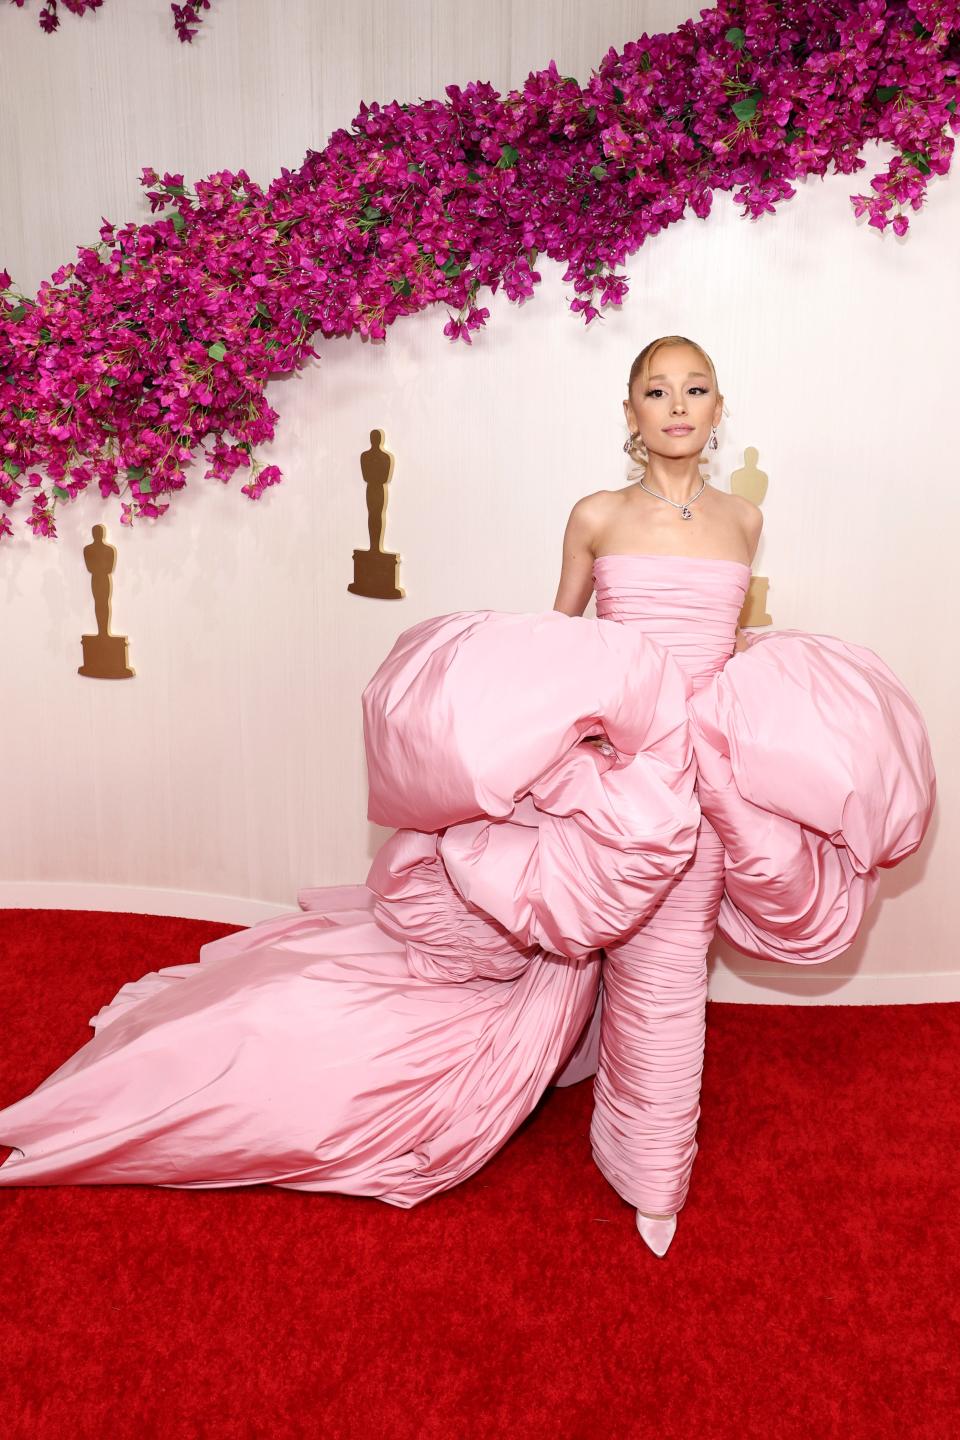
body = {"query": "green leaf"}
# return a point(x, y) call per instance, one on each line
point(735, 37)
point(508, 157)
point(618, 95)
point(415, 167)
point(17, 313)
point(179, 224)
point(144, 485)
point(746, 108)
point(887, 92)
point(917, 157)
point(401, 286)
point(217, 350)
point(952, 106)
point(45, 334)
point(599, 172)
point(473, 176)
point(136, 472)
point(11, 467)
point(60, 493)
point(451, 269)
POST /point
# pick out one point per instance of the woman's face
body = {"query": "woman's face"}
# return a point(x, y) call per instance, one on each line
point(679, 393)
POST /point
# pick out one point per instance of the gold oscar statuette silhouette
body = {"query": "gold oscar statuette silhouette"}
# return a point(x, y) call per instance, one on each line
point(751, 483)
point(376, 571)
point(104, 655)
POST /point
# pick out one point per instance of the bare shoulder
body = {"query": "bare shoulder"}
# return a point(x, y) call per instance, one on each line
point(589, 515)
point(597, 502)
point(749, 515)
point(584, 525)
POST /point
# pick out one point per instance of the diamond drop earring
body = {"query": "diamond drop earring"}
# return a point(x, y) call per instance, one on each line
point(629, 443)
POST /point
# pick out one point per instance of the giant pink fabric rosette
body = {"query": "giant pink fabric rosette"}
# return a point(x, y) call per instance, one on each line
point(472, 726)
point(814, 766)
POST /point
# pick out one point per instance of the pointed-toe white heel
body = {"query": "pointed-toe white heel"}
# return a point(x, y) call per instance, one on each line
point(657, 1233)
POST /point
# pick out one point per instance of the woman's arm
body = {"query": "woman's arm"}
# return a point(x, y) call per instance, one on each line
point(576, 571)
point(752, 526)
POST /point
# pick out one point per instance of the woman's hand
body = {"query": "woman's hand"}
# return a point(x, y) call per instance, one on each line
point(601, 742)
point(742, 641)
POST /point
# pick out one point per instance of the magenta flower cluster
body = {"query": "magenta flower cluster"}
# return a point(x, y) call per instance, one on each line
point(157, 344)
point(186, 17)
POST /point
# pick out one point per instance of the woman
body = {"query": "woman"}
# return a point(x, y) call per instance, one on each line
point(651, 1051)
point(389, 1040)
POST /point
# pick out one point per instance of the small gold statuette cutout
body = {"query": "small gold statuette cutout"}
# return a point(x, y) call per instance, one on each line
point(376, 572)
point(751, 483)
point(104, 655)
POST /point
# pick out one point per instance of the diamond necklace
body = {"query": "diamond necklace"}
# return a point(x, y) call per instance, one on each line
point(682, 505)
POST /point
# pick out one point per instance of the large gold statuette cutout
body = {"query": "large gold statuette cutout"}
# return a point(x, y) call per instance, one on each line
point(104, 655)
point(376, 571)
point(751, 483)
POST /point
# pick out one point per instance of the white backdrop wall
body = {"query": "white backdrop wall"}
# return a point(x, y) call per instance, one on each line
point(231, 771)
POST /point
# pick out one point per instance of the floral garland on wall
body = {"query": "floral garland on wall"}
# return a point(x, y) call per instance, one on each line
point(186, 18)
point(159, 341)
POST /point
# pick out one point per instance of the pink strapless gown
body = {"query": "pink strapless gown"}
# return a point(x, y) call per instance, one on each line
point(389, 1039)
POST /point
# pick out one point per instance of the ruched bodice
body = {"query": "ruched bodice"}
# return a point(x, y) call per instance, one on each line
point(687, 604)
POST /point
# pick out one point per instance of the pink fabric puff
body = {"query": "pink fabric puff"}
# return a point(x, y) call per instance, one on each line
point(473, 725)
point(814, 766)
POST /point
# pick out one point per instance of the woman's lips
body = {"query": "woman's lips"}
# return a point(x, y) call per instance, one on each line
point(678, 429)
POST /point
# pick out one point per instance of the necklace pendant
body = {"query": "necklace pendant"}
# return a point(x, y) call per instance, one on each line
point(686, 512)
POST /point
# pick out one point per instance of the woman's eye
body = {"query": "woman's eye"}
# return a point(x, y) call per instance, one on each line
point(657, 390)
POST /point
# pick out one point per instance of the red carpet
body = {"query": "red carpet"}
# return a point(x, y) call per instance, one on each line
point(811, 1289)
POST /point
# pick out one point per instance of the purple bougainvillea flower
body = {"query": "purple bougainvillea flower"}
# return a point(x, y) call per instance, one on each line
point(186, 17)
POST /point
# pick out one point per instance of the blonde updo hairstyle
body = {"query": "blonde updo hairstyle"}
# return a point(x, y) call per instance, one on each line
point(640, 370)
